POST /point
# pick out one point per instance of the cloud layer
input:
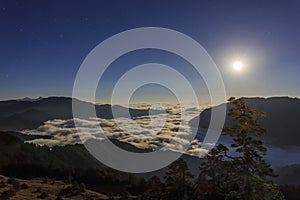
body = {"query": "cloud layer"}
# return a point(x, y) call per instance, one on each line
point(154, 131)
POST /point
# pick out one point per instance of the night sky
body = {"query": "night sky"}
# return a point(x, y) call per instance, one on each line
point(43, 43)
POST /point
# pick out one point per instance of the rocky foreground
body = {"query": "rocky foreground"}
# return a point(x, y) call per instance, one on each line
point(45, 188)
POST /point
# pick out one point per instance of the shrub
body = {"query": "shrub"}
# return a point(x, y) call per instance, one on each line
point(45, 180)
point(15, 183)
point(42, 195)
point(82, 187)
point(65, 191)
point(2, 184)
point(24, 186)
point(38, 190)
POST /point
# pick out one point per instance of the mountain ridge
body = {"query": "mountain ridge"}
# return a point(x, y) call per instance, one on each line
point(19, 115)
point(281, 121)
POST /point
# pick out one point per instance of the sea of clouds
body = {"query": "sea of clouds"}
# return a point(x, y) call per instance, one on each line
point(145, 132)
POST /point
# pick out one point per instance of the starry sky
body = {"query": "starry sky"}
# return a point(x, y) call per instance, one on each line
point(43, 43)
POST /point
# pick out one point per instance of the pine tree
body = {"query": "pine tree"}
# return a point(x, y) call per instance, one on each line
point(213, 171)
point(244, 175)
point(178, 181)
point(153, 189)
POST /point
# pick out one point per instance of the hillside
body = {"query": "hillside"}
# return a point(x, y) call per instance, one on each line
point(289, 175)
point(26, 160)
point(281, 121)
point(13, 151)
point(39, 188)
point(19, 115)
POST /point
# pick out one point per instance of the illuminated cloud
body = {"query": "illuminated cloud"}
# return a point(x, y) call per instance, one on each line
point(144, 132)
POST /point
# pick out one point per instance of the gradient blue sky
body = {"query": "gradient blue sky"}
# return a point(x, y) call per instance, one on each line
point(43, 43)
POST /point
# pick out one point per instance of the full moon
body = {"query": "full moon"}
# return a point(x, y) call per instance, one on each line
point(237, 65)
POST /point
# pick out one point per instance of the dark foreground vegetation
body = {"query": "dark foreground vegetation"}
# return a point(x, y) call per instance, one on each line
point(243, 174)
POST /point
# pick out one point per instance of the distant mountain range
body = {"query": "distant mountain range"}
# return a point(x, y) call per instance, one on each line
point(30, 99)
point(282, 119)
point(23, 114)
